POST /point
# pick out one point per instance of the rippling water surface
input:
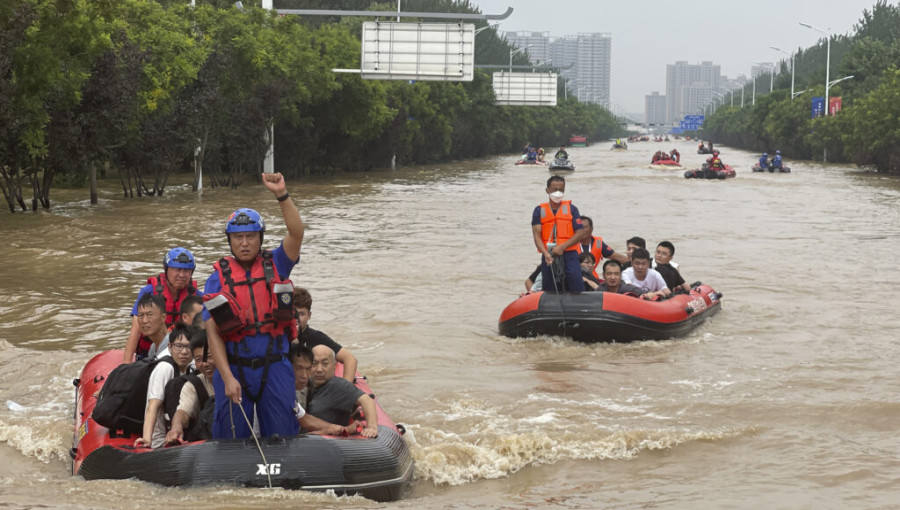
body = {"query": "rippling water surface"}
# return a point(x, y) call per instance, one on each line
point(786, 399)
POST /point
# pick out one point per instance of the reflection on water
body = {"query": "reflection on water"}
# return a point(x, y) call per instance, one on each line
point(410, 269)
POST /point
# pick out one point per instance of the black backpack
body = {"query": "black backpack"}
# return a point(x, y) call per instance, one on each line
point(123, 397)
point(201, 426)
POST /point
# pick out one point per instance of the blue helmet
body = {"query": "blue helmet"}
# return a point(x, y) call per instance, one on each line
point(778, 152)
point(765, 154)
point(245, 220)
point(180, 258)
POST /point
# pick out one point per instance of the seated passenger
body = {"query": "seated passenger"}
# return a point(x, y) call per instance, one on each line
point(612, 274)
point(310, 338)
point(715, 163)
point(777, 162)
point(587, 271)
point(675, 155)
point(764, 160)
point(191, 312)
point(597, 247)
point(540, 154)
point(151, 319)
point(334, 400)
point(301, 359)
point(192, 420)
point(640, 275)
point(561, 153)
point(154, 434)
point(662, 264)
point(631, 245)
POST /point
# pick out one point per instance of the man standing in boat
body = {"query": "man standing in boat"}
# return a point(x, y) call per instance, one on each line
point(558, 231)
point(250, 322)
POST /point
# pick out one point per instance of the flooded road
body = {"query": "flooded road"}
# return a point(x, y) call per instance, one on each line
point(785, 399)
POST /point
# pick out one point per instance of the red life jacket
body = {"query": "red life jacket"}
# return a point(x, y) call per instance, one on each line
point(160, 285)
point(260, 304)
point(557, 227)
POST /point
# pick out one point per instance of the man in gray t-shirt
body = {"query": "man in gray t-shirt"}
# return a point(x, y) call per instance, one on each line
point(334, 398)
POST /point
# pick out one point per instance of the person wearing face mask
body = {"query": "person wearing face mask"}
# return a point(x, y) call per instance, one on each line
point(558, 231)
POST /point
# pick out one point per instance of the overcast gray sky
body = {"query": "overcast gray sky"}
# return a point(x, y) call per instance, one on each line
point(648, 34)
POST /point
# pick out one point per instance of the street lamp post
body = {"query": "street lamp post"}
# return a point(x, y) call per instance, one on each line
point(516, 51)
point(753, 102)
point(771, 69)
point(792, 67)
point(827, 35)
point(482, 29)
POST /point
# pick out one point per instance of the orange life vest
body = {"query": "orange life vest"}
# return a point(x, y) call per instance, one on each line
point(260, 304)
point(557, 228)
point(596, 249)
point(160, 285)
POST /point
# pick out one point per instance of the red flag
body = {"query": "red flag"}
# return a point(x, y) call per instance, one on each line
point(834, 105)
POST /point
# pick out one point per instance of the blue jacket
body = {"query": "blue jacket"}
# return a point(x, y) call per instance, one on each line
point(764, 162)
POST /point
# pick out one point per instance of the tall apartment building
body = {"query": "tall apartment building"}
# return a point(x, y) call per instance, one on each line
point(690, 87)
point(593, 68)
point(539, 43)
point(654, 109)
point(584, 60)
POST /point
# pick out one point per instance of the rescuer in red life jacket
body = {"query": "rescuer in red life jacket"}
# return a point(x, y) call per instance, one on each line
point(249, 318)
point(175, 283)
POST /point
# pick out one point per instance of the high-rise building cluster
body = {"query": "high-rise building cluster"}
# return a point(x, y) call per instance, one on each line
point(584, 60)
point(690, 88)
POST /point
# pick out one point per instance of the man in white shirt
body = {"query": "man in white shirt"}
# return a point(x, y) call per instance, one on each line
point(154, 433)
point(640, 275)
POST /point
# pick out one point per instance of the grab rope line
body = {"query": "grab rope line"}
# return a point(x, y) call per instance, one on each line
point(558, 270)
point(255, 439)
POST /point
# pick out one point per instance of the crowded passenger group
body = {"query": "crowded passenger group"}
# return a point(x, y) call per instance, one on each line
point(239, 355)
point(571, 253)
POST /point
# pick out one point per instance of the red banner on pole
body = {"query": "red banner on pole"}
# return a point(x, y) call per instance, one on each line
point(834, 105)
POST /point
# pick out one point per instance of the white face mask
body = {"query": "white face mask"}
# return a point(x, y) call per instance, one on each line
point(556, 196)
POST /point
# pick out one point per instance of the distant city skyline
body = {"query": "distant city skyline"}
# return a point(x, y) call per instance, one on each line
point(650, 35)
point(584, 60)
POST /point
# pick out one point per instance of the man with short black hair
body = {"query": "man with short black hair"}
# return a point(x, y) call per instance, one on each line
point(191, 311)
point(597, 247)
point(151, 320)
point(631, 245)
point(612, 280)
point(640, 275)
point(662, 264)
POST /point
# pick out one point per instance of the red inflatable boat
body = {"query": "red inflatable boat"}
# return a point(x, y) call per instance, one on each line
point(380, 469)
point(608, 317)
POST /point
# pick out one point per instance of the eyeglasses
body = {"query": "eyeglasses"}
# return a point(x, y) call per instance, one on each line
point(181, 347)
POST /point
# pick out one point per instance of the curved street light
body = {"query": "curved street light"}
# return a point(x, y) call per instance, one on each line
point(827, 35)
point(482, 29)
point(779, 50)
point(515, 52)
